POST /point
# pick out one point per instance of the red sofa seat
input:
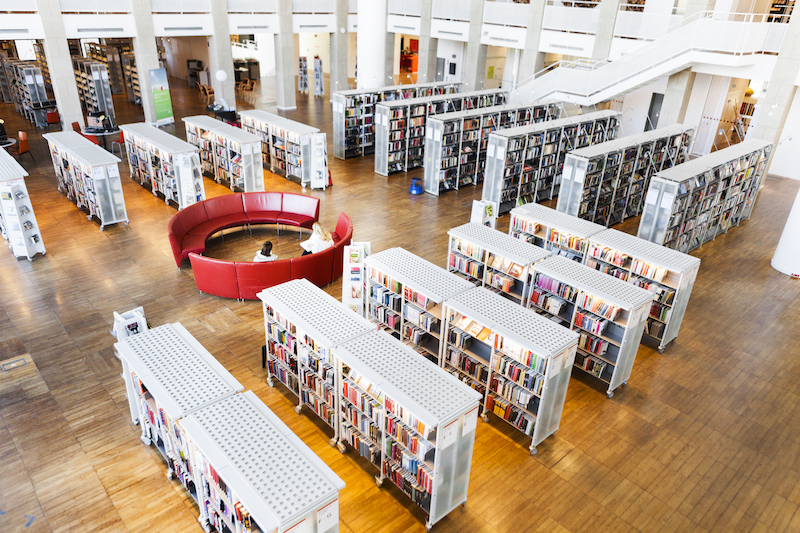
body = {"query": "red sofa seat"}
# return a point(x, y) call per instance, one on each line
point(342, 237)
point(253, 278)
point(175, 234)
point(223, 212)
point(343, 225)
point(263, 207)
point(214, 276)
point(316, 268)
point(299, 210)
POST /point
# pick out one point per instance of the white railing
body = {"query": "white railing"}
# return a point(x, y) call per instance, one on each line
point(312, 6)
point(252, 6)
point(575, 17)
point(730, 35)
point(451, 9)
point(410, 8)
point(92, 6)
point(19, 6)
point(180, 6)
point(506, 14)
point(638, 21)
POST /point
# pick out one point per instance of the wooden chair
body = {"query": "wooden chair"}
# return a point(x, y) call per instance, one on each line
point(248, 92)
point(209, 94)
point(22, 147)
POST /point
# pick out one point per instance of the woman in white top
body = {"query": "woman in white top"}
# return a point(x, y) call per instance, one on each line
point(320, 240)
point(265, 254)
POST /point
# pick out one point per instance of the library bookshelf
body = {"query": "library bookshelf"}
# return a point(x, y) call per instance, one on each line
point(354, 113)
point(18, 224)
point(131, 76)
point(230, 155)
point(605, 183)
point(110, 57)
point(524, 164)
point(404, 293)
point(667, 273)
point(168, 165)
point(302, 74)
point(31, 95)
point(89, 176)
point(455, 143)
point(493, 259)
point(416, 421)
point(94, 88)
point(517, 360)
point(290, 148)
point(609, 315)
point(691, 204)
point(400, 125)
point(552, 230)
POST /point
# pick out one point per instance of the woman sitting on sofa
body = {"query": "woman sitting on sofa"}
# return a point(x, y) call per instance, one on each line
point(319, 241)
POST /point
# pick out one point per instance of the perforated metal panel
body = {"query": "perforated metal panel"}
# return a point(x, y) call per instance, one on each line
point(180, 370)
point(522, 325)
point(695, 167)
point(500, 243)
point(427, 387)
point(93, 155)
point(279, 121)
point(9, 167)
point(314, 311)
point(66, 139)
point(646, 250)
point(422, 276)
point(630, 140)
point(607, 287)
point(282, 477)
point(558, 220)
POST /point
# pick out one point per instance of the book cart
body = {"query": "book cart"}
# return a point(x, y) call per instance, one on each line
point(230, 155)
point(290, 148)
point(417, 421)
point(493, 259)
point(691, 204)
point(404, 293)
point(455, 143)
point(245, 469)
point(89, 176)
point(94, 89)
point(400, 125)
point(131, 75)
point(517, 360)
point(18, 223)
point(169, 165)
point(667, 273)
point(524, 164)
point(608, 314)
point(605, 183)
point(354, 113)
point(545, 227)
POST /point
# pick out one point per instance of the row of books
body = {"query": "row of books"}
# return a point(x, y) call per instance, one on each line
point(505, 410)
point(556, 287)
point(593, 344)
point(466, 266)
point(608, 255)
point(598, 306)
point(519, 374)
point(548, 302)
point(359, 442)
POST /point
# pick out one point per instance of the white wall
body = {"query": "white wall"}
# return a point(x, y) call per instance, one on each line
point(707, 131)
point(636, 105)
point(315, 44)
point(179, 49)
point(697, 100)
point(784, 163)
point(351, 54)
point(495, 57)
point(452, 52)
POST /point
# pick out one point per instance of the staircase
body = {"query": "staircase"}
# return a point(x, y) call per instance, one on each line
point(708, 37)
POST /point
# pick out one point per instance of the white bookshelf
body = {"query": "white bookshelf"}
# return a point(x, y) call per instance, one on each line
point(605, 183)
point(667, 273)
point(302, 74)
point(290, 148)
point(89, 176)
point(689, 205)
point(94, 88)
point(493, 259)
point(18, 224)
point(170, 166)
point(609, 315)
point(519, 361)
point(524, 164)
point(552, 230)
point(230, 155)
point(422, 421)
point(319, 78)
point(353, 275)
point(404, 293)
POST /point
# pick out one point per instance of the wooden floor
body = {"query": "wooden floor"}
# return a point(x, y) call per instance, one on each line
point(705, 437)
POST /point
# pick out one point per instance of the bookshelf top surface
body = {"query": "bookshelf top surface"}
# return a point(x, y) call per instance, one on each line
point(418, 274)
point(492, 110)
point(92, 155)
point(354, 92)
point(440, 97)
point(158, 138)
point(695, 167)
point(630, 141)
point(511, 320)
point(10, 167)
point(555, 124)
point(180, 373)
point(556, 219)
point(315, 312)
point(584, 278)
point(647, 251)
point(66, 139)
point(276, 476)
point(431, 393)
point(277, 120)
point(497, 242)
point(221, 128)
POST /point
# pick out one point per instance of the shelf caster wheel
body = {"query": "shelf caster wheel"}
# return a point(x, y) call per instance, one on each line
point(463, 504)
point(332, 442)
point(170, 474)
point(428, 526)
point(378, 482)
point(145, 440)
point(534, 451)
point(298, 408)
point(341, 447)
point(660, 349)
point(623, 384)
point(270, 383)
point(485, 417)
point(610, 395)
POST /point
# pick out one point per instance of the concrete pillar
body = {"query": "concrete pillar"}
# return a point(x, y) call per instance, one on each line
point(56, 51)
point(220, 56)
point(787, 254)
point(388, 70)
point(284, 59)
point(532, 60)
point(474, 67)
point(371, 44)
point(426, 66)
point(676, 98)
point(605, 29)
point(146, 54)
point(338, 77)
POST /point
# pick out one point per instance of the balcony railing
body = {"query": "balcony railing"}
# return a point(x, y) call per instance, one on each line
point(252, 6)
point(574, 17)
point(452, 10)
point(409, 8)
point(506, 13)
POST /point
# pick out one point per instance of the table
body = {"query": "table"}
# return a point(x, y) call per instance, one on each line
point(101, 135)
point(11, 141)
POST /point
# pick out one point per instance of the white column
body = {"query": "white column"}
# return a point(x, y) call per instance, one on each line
point(605, 29)
point(426, 66)
point(371, 44)
point(145, 52)
point(676, 99)
point(285, 63)
point(787, 255)
point(474, 68)
point(338, 78)
point(532, 59)
point(220, 56)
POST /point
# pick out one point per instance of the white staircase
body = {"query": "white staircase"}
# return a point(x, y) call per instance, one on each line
point(708, 37)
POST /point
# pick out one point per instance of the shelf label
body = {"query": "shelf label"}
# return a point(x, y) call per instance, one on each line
point(247, 148)
point(490, 150)
point(470, 421)
point(328, 516)
point(555, 366)
point(501, 152)
point(652, 197)
point(97, 173)
point(300, 527)
point(666, 201)
point(450, 434)
point(438, 135)
point(113, 171)
point(570, 358)
point(428, 133)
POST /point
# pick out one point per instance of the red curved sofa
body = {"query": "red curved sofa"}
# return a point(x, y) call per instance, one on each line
point(244, 280)
point(189, 228)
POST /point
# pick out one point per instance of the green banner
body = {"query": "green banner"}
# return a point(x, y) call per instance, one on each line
point(159, 85)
